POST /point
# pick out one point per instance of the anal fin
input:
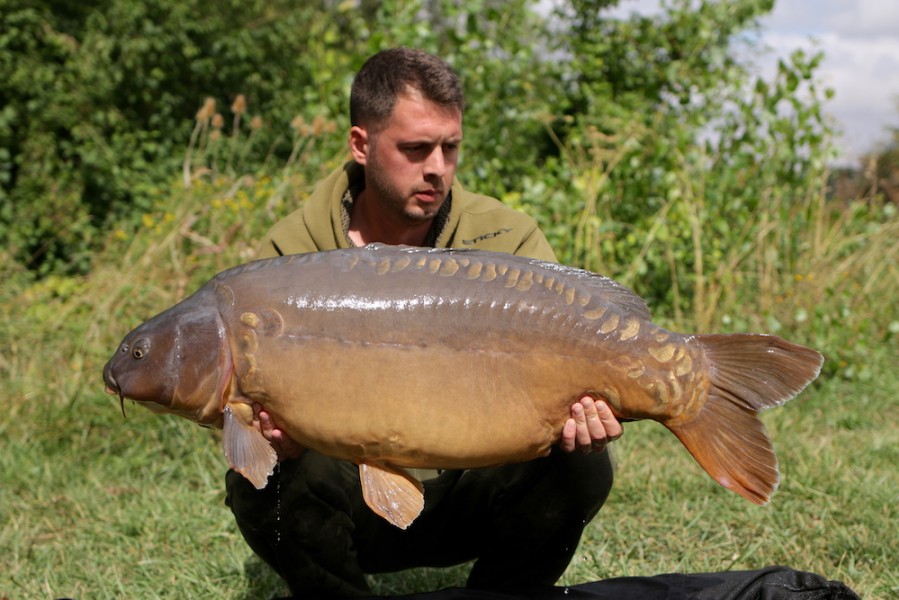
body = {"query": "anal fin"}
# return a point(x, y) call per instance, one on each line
point(246, 450)
point(391, 493)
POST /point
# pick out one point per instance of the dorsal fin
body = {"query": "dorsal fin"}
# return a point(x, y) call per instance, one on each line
point(602, 289)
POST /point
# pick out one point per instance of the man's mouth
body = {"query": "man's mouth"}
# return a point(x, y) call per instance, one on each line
point(429, 195)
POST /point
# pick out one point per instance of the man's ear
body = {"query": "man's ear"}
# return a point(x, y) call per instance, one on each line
point(359, 144)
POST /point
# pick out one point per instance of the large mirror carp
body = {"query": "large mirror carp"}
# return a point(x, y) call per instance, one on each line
point(399, 357)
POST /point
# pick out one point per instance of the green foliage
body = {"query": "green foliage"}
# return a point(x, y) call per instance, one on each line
point(97, 102)
point(97, 99)
point(130, 172)
point(666, 166)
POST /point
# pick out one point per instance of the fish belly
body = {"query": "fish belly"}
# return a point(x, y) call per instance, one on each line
point(415, 406)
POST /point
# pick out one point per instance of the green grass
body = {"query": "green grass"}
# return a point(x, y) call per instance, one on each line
point(94, 505)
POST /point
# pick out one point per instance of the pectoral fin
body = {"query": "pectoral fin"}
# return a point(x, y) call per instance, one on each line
point(246, 450)
point(392, 493)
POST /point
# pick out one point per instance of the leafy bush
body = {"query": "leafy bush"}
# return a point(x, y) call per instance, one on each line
point(97, 101)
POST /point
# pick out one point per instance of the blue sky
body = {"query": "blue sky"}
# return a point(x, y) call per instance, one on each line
point(860, 40)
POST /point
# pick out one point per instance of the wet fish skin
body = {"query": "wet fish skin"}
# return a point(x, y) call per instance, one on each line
point(403, 357)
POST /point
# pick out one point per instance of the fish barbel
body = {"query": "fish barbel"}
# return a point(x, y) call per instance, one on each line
point(398, 357)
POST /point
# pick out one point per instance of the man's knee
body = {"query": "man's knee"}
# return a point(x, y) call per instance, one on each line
point(302, 524)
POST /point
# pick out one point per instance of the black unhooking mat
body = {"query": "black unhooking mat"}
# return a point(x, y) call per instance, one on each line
point(771, 583)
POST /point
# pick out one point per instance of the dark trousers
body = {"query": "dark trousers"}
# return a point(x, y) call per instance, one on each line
point(521, 523)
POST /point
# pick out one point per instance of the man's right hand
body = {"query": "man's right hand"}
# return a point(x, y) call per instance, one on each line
point(591, 426)
point(283, 445)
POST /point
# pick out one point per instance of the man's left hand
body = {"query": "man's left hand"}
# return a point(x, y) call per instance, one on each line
point(591, 427)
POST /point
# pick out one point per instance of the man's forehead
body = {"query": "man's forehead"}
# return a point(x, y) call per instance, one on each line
point(414, 114)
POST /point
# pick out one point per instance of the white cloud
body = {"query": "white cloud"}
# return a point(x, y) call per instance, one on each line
point(860, 41)
point(866, 18)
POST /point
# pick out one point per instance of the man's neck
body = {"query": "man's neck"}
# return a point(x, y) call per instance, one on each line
point(368, 224)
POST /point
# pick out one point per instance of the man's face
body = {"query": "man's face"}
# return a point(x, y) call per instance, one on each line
point(410, 163)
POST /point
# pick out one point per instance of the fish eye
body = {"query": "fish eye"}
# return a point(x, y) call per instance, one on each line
point(140, 349)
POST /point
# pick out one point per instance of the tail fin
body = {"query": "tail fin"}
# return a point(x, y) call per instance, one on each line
point(748, 373)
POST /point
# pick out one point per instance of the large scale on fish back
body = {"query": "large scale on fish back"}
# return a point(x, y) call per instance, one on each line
point(397, 357)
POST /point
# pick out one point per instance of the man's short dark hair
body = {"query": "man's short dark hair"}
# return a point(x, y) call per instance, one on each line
point(390, 73)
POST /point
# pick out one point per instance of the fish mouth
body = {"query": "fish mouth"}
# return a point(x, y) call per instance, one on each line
point(112, 387)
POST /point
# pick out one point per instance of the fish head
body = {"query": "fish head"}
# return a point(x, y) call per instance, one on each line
point(177, 362)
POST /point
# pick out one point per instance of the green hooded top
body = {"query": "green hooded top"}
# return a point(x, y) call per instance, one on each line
point(466, 220)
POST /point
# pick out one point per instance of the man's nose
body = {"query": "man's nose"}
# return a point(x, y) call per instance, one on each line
point(436, 162)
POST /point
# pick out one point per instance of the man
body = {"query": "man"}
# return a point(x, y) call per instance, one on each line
point(521, 523)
